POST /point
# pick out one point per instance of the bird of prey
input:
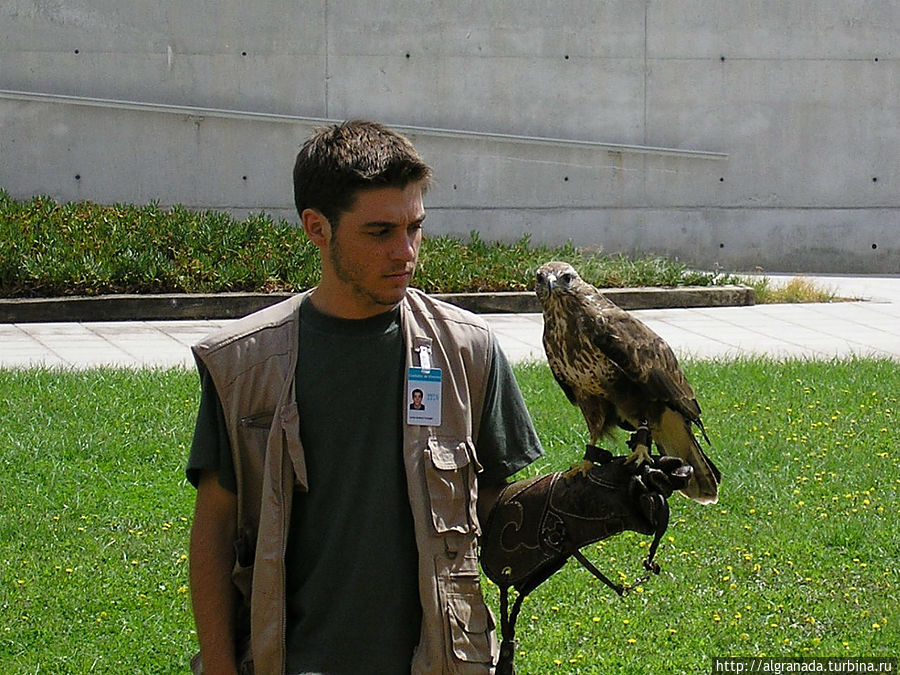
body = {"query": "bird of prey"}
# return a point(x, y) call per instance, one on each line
point(620, 373)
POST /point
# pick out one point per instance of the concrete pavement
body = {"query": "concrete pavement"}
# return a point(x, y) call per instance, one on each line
point(868, 326)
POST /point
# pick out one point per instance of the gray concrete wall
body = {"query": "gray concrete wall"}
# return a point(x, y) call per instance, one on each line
point(803, 96)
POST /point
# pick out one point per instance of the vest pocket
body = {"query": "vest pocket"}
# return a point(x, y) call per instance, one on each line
point(450, 478)
point(468, 618)
point(253, 433)
point(469, 627)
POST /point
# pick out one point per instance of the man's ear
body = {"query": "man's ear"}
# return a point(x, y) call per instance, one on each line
point(316, 226)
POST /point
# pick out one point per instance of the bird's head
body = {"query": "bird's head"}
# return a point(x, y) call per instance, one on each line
point(555, 277)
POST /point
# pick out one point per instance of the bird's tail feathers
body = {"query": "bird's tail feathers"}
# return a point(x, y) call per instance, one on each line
point(674, 436)
point(704, 485)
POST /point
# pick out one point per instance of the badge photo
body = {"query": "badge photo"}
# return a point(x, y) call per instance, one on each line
point(423, 397)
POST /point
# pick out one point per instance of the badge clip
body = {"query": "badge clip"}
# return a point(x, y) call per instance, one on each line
point(424, 351)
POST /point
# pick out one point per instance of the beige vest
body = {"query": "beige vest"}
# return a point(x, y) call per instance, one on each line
point(252, 363)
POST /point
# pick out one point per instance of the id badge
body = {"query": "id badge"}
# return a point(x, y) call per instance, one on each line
point(423, 397)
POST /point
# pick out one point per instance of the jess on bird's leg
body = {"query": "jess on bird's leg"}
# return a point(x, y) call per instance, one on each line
point(640, 443)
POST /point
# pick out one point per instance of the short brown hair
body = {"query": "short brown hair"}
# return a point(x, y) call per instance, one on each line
point(339, 161)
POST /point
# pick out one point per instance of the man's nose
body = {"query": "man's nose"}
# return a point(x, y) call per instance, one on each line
point(406, 247)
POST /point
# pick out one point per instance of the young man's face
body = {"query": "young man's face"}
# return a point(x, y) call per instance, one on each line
point(368, 260)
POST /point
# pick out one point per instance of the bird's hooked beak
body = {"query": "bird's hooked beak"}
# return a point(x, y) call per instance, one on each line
point(547, 280)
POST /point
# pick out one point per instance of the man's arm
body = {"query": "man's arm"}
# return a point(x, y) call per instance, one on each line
point(213, 595)
point(487, 497)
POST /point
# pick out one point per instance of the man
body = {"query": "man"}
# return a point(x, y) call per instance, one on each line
point(332, 538)
point(417, 403)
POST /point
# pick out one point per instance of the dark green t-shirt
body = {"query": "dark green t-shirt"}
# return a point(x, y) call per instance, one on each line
point(351, 559)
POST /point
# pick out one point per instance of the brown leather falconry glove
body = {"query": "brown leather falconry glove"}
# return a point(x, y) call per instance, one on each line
point(537, 524)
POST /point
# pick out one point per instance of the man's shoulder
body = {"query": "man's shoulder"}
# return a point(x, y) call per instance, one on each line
point(426, 305)
point(275, 316)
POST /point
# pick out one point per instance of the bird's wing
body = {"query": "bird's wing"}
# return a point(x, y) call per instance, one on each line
point(643, 356)
point(647, 360)
point(565, 386)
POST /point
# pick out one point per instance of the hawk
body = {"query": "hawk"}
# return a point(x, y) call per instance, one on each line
point(620, 373)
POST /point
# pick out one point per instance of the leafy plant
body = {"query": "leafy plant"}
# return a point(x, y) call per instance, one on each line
point(83, 248)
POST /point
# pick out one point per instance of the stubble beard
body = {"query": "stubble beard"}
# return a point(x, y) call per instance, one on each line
point(348, 277)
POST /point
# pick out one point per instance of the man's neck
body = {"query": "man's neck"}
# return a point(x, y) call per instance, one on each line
point(339, 306)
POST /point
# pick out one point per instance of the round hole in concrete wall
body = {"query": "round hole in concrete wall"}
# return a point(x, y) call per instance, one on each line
point(874, 246)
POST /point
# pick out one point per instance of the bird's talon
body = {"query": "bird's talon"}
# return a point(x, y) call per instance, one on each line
point(582, 468)
point(641, 455)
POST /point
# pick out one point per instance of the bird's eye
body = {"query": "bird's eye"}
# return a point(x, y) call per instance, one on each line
point(566, 277)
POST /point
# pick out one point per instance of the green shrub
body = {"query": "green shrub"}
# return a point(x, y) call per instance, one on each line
point(83, 248)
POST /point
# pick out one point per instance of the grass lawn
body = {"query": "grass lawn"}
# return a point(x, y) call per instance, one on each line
point(799, 557)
